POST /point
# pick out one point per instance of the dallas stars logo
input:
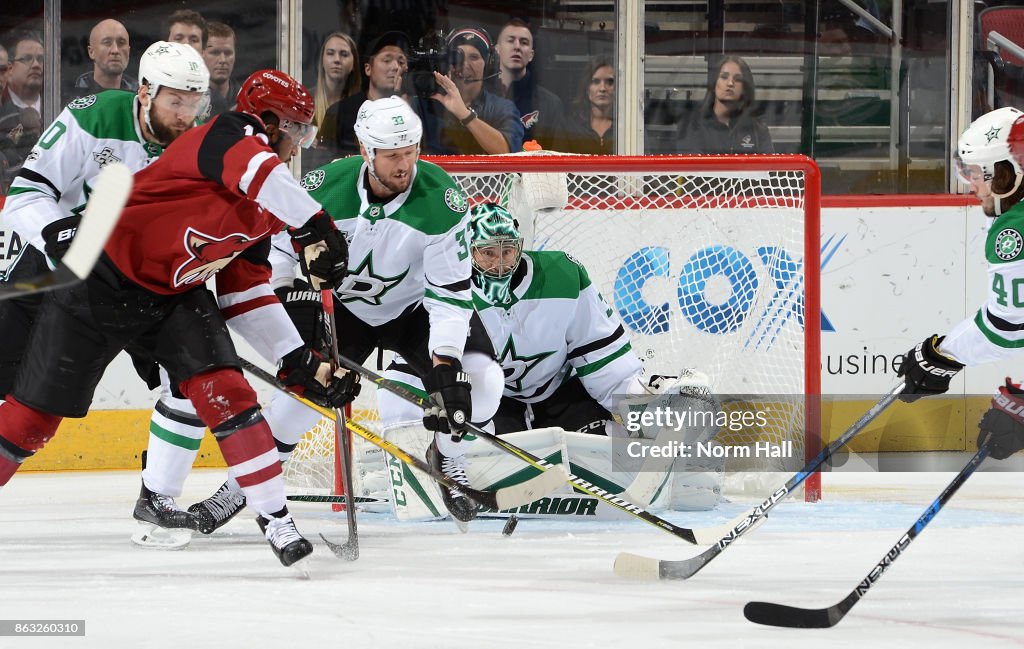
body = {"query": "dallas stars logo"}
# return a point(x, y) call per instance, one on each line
point(105, 157)
point(364, 285)
point(516, 367)
point(992, 134)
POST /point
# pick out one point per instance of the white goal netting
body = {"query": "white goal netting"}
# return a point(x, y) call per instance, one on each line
point(704, 259)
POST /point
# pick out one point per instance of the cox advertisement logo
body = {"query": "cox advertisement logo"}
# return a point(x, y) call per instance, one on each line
point(716, 291)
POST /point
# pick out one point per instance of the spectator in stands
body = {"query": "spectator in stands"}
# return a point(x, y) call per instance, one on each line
point(386, 62)
point(725, 122)
point(219, 56)
point(337, 74)
point(188, 27)
point(464, 118)
point(591, 125)
point(5, 65)
point(21, 104)
point(541, 112)
point(109, 49)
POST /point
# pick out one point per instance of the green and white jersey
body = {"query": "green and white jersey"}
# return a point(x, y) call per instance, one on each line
point(412, 249)
point(57, 177)
point(557, 326)
point(997, 330)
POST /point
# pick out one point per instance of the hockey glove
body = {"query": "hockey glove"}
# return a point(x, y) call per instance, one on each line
point(1002, 426)
point(448, 387)
point(926, 371)
point(323, 251)
point(304, 371)
point(57, 236)
point(306, 311)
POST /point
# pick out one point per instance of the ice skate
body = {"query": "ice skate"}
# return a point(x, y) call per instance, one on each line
point(162, 524)
point(461, 508)
point(218, 509)
point(288, 545)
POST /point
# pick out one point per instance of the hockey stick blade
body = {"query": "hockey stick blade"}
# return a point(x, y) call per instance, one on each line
point(102, 212)
point(504, 498)
point(640, 567)
point(337, 499)
point(771, 614)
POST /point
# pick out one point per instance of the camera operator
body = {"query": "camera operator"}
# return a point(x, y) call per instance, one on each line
point(462, 117)
point(386, 61)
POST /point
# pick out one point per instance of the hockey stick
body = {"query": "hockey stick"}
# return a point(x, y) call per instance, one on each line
point(639, 567)
point(554, 474)
point(503, 498)
point(349, 550)
point(823, 618)
point(113, 186)
point(341, 499)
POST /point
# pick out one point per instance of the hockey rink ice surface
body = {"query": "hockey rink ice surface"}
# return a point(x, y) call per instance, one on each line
point(65, 554)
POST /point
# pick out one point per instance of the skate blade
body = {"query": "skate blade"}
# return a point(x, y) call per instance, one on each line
point(301, 567)
point(462, 525)
point(154, 537)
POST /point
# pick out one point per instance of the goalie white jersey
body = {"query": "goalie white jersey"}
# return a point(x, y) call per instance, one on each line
point(996, 331)
point(58, 174)
point(558, 326)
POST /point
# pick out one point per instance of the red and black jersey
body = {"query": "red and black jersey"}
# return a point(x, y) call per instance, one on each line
point(215, 192)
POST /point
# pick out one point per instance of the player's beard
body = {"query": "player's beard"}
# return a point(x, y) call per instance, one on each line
point(396, 185)
point(164, 134)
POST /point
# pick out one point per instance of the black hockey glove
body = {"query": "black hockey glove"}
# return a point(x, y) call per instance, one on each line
point(449, 387)
point(1002, 426)
point(57, 236)
point(298, 372)
point(323, 251)
point(343, 389)
point(306, 310)
point(926, 371)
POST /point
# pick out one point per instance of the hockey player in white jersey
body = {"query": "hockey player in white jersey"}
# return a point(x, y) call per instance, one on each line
point(46, 199)
point(566, 358)
point(408, 288)
point(996, 177)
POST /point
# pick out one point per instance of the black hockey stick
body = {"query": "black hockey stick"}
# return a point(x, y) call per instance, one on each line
point(822, 618)
point(640, 567)
point(102, 212)
point(341, 499)
point(349, 550)
point(504, 498)
point(553, 473)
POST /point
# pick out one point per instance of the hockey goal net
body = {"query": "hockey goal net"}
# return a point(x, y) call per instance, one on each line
point(711, 262)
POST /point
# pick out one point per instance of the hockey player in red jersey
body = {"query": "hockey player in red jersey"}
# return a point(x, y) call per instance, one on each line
point(208, 206)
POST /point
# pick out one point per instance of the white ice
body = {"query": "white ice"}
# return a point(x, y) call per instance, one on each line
point(64, 554)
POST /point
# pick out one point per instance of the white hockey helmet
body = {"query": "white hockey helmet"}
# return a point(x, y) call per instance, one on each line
point(986, 142)
point(387, 123)
point(174, 65)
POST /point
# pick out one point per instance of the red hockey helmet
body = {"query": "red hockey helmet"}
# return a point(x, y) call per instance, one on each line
point(278, 93)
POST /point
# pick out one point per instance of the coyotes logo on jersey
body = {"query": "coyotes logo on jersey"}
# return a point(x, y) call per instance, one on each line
point(208, 254)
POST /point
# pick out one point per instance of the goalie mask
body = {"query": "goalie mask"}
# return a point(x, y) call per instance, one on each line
point(387, 123)
point(985, 143)
point(496, 247)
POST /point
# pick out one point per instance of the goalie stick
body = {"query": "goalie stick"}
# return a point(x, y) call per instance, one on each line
point(552, 474)
point(823, 618)
point(504, 498)
point(639, 567)
point(102, 212)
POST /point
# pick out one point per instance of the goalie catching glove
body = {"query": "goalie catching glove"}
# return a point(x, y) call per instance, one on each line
point(449, 389)
point(306, 373)
point(926, 371)
point(323, 251)
point(1002, 426)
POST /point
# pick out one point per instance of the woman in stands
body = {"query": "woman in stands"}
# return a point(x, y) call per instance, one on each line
point(591, 125)
point(725, 123)
point(334, 78)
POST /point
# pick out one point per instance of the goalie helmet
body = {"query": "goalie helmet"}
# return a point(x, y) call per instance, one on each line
point(496, 247)
point(985, 142)
point(387, 123)
point(276, 92)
